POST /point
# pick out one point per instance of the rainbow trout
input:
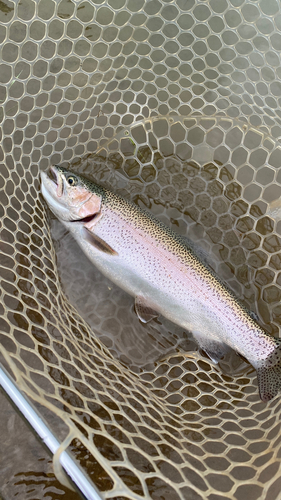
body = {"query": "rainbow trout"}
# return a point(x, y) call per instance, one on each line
point(161, 271)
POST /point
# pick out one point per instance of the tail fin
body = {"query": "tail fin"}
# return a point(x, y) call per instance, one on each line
point(269, 375)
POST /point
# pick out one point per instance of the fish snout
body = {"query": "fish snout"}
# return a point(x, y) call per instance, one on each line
point(52, 174)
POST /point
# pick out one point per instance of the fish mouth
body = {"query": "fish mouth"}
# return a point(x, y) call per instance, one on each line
point(55, 177)
point(52, 174)
point(88, 218)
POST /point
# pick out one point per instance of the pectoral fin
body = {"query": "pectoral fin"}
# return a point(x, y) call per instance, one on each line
point(98, 242)
point(144, 311)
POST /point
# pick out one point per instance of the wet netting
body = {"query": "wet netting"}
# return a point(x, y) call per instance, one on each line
point(176, 106)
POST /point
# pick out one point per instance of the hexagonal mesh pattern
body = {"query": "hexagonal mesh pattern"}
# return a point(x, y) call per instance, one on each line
point(175, 105)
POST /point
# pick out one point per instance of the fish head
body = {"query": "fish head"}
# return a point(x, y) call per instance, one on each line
point(68, 195)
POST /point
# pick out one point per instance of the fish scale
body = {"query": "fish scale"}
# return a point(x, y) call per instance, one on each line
point(158, 268)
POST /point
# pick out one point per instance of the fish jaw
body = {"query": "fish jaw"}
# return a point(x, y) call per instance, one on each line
point(49, 191)
point(66, 202)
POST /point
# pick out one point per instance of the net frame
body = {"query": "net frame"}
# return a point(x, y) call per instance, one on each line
point(127, 79)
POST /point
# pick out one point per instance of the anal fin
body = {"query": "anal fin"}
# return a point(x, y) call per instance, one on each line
point(213, 348)
point(144, 311)
point(215, 352)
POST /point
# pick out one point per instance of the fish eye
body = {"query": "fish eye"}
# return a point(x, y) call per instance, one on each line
point(72, 181)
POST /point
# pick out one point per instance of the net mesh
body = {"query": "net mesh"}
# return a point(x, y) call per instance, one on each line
point(176, 106)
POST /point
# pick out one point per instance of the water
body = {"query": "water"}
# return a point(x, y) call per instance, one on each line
point(26, 469)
